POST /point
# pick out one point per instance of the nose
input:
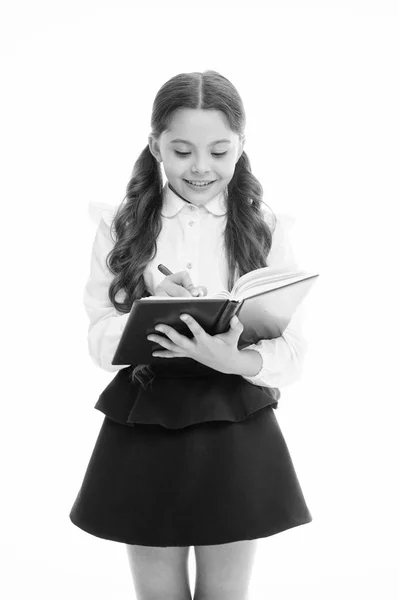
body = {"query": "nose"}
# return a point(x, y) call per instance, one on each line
point(200, 164)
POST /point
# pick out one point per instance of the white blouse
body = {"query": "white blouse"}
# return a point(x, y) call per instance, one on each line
point(191, 238)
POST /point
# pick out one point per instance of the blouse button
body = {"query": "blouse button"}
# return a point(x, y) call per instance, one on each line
point(189, 265)
point(191, 222)
point(192, 207)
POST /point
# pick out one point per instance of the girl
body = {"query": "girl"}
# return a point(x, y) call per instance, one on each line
point(190, 452)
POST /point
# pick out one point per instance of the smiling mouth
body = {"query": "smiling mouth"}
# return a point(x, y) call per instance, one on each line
point(199, 183)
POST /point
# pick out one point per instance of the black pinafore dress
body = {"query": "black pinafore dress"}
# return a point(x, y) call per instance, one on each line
point(197, 458)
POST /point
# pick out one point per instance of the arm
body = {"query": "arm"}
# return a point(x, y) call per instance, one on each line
point(281, 358)
point(106, 323)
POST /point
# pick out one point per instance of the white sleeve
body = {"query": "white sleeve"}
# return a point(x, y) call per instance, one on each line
point(106, 323)
point(282, 357)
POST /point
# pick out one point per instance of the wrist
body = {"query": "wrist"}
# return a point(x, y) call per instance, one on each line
point(248, 363)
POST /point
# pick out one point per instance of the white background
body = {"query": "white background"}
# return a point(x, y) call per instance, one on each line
point(319, 81)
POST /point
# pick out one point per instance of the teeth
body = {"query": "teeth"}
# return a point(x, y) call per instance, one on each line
point(199, 184)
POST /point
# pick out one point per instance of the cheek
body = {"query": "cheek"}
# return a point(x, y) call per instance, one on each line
point(172, 168)
point(227, 169)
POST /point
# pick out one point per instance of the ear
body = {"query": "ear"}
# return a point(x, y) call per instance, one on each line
point(154, 148)
point(240, 148)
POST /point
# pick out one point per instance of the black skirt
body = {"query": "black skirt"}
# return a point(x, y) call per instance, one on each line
point(164, 472)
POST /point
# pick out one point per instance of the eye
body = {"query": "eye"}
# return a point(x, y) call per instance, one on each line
point(216, 154)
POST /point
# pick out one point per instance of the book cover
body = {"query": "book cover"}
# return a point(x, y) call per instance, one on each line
point(264, 301)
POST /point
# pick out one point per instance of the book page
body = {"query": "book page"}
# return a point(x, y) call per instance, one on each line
point(262, 280)
point(258, 288)
point(250, 284)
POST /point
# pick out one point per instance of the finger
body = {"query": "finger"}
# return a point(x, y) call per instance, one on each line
point(203, 290)
point(162, 341)
point(194, 291)
point(235, 322)
point(198, 291)
point(184, 279)
point(160, 291)
point(165, 354)
point(236, 326)
point(193, 326)
point(179, 290)
point(174, 289)
point(179, 341)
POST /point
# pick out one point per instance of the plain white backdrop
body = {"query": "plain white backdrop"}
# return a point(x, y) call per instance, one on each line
point(319, 81)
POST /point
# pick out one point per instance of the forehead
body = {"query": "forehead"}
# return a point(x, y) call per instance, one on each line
point(197, 125)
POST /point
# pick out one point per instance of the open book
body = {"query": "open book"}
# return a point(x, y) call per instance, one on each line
point(264, 300)
point(252, 283)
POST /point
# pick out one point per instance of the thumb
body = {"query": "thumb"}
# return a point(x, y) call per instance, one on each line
point(232, 335)
point(235, 323)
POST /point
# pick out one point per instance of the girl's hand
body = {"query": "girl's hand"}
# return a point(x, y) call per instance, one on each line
point(219, 351)
point(179, 284)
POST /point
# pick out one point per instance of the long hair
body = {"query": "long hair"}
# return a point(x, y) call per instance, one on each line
point(137, 222)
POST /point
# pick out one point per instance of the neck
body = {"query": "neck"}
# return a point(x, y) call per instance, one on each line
point(177, 194)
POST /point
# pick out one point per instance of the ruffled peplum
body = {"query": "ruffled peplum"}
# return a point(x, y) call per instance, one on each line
point(183, 394)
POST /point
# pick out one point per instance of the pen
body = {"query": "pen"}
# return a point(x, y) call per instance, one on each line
point(164, 270)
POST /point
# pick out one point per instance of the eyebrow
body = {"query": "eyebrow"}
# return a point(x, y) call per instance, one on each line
point(190, 144)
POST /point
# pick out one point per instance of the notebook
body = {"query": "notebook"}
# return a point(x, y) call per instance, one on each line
point(264, 300)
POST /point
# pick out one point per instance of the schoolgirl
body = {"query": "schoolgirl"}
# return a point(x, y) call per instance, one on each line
point(190, 452)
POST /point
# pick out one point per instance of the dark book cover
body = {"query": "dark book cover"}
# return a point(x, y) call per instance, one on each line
point(264, 315)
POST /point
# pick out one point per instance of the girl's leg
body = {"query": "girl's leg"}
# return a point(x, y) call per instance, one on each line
point(160, 573)
point(224, 570)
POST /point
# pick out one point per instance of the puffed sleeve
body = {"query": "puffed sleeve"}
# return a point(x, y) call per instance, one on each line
point(106, 324)
point(282, 357)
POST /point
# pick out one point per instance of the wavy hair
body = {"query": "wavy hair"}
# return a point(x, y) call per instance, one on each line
point(137, 222)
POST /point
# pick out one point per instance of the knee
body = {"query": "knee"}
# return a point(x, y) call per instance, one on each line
point(221, 591)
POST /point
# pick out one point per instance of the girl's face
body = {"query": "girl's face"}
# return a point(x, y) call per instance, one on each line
point(198, 147)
